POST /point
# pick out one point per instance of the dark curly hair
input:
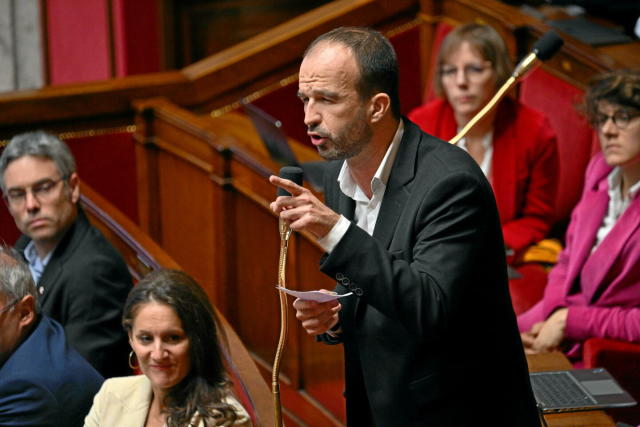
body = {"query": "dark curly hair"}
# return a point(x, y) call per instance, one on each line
point(620, 87)
point(203, 389)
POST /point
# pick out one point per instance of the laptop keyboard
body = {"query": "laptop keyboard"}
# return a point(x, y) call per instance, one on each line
point(559, 390)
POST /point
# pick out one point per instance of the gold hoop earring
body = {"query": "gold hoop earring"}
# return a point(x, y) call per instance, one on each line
point(131, 356)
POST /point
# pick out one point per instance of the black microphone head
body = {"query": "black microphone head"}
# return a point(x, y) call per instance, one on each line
point(548, 45)
point(292, 173)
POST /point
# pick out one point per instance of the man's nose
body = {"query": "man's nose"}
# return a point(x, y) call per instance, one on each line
point(31, 201)
point(311, 115)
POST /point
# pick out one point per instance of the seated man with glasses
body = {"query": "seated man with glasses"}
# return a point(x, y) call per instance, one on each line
point(594, 290)
point(82, 282)
point(43, 381)
point(514, 145)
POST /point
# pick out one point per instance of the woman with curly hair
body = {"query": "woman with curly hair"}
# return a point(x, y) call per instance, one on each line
point(594, 290)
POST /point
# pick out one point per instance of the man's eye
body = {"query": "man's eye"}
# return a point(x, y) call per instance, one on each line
point(15, 195)
point(43, 188)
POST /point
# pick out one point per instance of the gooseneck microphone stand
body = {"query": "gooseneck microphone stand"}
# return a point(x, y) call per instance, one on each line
point(294, 174)
point(544, 49)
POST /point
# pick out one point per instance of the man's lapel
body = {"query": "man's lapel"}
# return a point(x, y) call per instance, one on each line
point(396, 194)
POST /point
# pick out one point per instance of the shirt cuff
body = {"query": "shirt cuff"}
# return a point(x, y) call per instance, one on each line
point(334, 236)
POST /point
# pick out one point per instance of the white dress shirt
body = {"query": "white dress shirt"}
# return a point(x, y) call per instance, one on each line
point(617, 204)
point(487, 143)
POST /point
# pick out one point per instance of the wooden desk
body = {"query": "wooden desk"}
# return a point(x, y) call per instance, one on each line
point(557, 361)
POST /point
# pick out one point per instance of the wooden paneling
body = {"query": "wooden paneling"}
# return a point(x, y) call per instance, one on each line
point(211, 83)
point(200, 28)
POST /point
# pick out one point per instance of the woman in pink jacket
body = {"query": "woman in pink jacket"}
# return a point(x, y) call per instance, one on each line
point(594, 290)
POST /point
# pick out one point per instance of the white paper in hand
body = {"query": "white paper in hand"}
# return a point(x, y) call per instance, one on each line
point(316, 296)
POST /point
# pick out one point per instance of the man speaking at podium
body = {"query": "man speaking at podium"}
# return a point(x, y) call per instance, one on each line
point(410, 226)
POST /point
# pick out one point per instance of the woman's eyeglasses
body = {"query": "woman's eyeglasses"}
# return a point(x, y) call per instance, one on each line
point(473, 72)
point(620, 118)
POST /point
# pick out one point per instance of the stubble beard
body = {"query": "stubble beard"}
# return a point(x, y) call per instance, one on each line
point(349, 143)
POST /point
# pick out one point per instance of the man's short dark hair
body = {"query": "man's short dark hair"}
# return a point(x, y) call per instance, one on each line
point(375, 58)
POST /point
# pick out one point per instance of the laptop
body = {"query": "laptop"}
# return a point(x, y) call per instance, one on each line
point(277, 144)
point(578, 390)
point(590, 32)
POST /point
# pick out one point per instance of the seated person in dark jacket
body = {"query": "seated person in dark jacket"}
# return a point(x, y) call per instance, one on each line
point(82, 282)
point(43, 381)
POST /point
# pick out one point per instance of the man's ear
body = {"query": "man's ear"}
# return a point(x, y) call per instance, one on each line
point(26, 309)
point(74, 186)
point(379, 106)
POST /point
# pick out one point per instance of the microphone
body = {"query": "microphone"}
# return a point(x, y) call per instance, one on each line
point(543, 49)
point(292, 173)
point(548, 45)
point(295, 174)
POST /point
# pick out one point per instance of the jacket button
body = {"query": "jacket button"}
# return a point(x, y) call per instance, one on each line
point(359, 292)
point(339, 276)
point(353, 287)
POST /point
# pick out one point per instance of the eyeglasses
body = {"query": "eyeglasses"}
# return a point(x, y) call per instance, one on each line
point(473, 72)
point(42, 191)
point(8, 306)
point(620, 118)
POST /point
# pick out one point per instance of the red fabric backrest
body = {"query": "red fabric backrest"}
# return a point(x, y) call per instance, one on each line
point(442, 30)
point(407, 46)
point(8, 231)
point(557, 99)
point(108, 164)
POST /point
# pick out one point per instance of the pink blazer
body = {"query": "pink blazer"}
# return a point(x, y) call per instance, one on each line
point(600, 289)
point(524, 172)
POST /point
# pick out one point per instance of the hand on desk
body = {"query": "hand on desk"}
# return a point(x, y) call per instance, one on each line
point(302, 210)
point(547, 335)
point(317, 318)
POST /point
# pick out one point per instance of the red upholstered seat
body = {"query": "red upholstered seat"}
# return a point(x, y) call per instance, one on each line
point(557, 99)
point(622, 360)
point(442, 29)
point(577, 143)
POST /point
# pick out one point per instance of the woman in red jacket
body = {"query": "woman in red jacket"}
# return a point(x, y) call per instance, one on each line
point(514, 145)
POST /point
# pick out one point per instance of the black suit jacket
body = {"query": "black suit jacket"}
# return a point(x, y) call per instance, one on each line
point(430, 336)
point(84, 287)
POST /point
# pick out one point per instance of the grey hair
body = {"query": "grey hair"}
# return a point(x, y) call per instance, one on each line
point(16, 281)
point(37, 144)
